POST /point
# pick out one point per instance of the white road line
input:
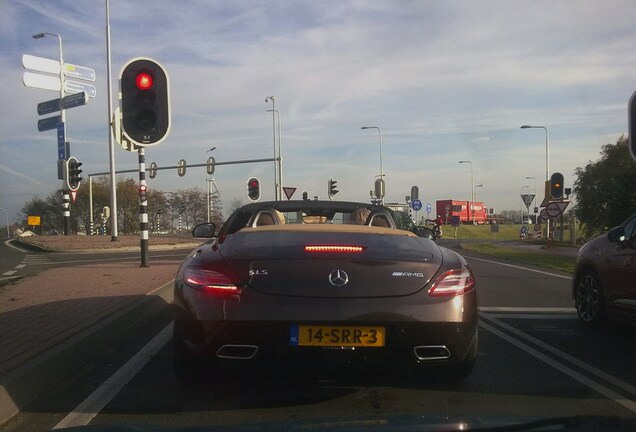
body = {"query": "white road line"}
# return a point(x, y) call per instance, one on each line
point(93, 404)
point(8, 273)
point(20, 266)
point(520, 268)
point(594, 385)
point(528, 310)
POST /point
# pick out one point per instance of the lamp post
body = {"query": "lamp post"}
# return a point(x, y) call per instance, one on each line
point(6, 215)
point(478, 186)
point(472, 190)
point(535, 189)
point(209, 179)
point(280, 157)
point(521, 194)
point(381, 166)
point(59, 38)
point(267, 99)
point(547, 148)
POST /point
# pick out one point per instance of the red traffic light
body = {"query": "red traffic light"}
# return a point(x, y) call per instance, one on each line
point(254, 188)
point(144, 81)
point(144, 102)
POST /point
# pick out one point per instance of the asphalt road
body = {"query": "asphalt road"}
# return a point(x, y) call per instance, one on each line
point(17, 262)
point(535, 359)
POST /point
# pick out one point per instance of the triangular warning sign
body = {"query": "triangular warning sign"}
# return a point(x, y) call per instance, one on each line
point(289, 191)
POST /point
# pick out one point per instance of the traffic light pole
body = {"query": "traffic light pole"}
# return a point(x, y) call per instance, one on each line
point(66, 211)
point(143, 208)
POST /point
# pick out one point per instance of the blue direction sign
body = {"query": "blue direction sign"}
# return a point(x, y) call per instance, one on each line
point(70, 101)
point(428, 208)
point(74, 100)
point(416, 204)
point(61, 142)
point(49, 106)
point(49, 123)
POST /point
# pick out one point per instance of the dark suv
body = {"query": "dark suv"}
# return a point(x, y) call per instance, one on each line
point(605, 275)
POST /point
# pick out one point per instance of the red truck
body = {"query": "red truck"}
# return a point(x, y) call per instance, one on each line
point(449, 208)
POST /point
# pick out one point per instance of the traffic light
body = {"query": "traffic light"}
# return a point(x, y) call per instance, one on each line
point(73, 174)
point(142, 192)
point(305, 195)
point(556, 185)
point(254, 188)
point(145, 102)
point(331, 190)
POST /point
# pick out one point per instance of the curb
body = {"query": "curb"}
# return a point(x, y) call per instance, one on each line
point(38, 375)
point(35, 248)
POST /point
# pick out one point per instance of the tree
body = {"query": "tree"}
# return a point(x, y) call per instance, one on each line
point(605, 192)
point(50, 213)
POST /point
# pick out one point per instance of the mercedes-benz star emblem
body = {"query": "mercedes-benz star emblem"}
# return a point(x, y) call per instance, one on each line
point(338, 278)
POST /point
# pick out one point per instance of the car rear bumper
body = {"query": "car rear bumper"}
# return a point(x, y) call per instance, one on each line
point(270, 343)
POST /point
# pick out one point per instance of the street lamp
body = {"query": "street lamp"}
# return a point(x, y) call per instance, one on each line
point(535, 187)
point(472, 190)
point(280, 157)
point(209, 179)
point(267, 99)
point(381, 166)
point(40, 36)
point(547, 148)
point(521, 194)
point(477, 186)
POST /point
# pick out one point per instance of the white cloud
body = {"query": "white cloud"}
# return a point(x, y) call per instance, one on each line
point(445, 81)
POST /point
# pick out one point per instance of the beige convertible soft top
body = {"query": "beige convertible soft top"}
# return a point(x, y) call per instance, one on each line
point(337, 228)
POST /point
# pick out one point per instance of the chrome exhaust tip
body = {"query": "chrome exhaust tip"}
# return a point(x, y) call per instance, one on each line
point(431, 352)
point(237, 352)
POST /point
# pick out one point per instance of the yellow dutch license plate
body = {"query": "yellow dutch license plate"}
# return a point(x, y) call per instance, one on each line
point(349, 336)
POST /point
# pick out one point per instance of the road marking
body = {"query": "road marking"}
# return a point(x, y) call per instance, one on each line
point(8, 273)
point(520, 268)
point(594, 385)
point(93, 404)
point(20, 266)
point(527, 310)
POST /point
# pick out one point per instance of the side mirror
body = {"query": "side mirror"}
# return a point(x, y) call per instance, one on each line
point(616, 234)
point(204, 230)
point(425, 232)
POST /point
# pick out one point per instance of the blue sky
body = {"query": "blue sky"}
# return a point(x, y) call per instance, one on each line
point(444, 80)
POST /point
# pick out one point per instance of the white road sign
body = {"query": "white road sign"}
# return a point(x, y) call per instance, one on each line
point(46, 82)
point(40, 64)
point(79, 72)
point(71, 86)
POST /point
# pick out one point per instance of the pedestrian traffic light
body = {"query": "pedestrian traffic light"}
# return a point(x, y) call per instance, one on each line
point(144, 102)
point(72, 174)
point(254, 188)
point(331, 190)
point(556, 185)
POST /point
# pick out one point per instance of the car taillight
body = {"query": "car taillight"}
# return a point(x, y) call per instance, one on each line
point(453, 282)
point(210, 281)
point(334, 248)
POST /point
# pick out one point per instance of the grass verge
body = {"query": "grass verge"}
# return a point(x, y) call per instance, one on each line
point(541, 259)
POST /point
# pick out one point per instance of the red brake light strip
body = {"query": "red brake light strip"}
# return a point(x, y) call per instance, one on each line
point(334, 248)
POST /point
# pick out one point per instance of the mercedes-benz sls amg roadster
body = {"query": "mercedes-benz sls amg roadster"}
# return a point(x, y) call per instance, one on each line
point(319, 284)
